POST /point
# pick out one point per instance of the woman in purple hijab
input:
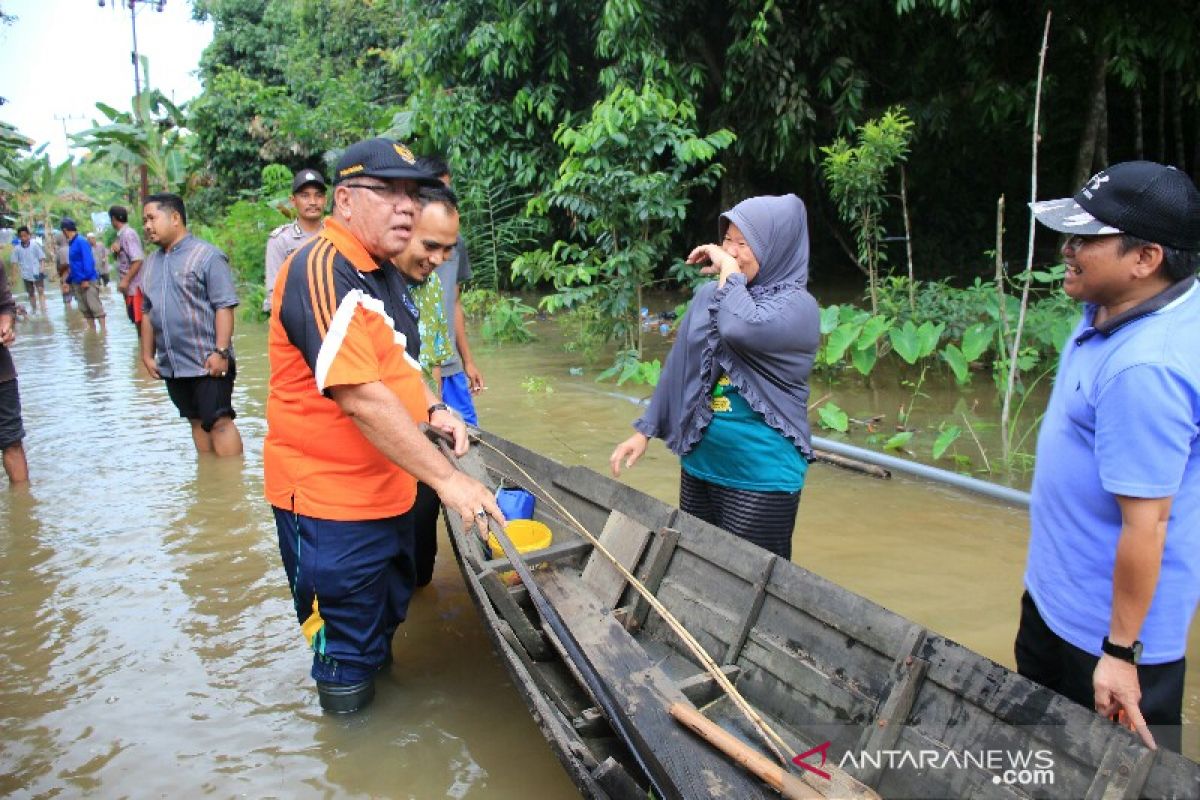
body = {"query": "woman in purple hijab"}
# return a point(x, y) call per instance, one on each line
point(732, 399)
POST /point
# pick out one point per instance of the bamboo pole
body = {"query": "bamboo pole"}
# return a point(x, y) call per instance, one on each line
point(1005, 437)
point(746, 757)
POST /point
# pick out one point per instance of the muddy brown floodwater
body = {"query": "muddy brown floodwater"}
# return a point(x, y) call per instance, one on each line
point(150, 646)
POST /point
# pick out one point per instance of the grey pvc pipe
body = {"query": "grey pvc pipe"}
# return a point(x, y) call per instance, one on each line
point(992, 490)
point(965, 482)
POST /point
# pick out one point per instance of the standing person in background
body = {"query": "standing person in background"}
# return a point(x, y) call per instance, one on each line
point(62, 258)
point(1113, 576)
point(461, 379)
point(187, 325)
point(82, 274)
point(30, 258)
point(128, 250)
point(308, 198)
point(732, 401)
point(12, 432)
point(434, 238)
point(100, 255)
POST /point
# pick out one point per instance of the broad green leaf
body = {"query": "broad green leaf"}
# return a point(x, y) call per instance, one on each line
point(872, 329)
point(928, 336)
point(842, 337)
point(898, 441)
point(829, 319)
point(833, 418)
point(906, 342)
point(946, 438)
point(976, 340)
point(958, 364)
point(864, 359)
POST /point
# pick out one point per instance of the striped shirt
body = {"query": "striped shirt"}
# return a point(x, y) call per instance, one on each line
point(182, 290)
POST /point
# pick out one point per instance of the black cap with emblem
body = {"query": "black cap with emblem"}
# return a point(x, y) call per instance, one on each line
point(381, 158)
point(1151, 201)
point(308, 176)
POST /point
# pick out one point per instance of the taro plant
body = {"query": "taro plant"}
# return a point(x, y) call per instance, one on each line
point(914, 344)
point(507, 321)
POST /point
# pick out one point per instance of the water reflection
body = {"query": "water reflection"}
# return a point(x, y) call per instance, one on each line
point(149, 620)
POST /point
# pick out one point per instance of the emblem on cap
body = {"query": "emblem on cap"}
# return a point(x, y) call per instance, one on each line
point(404, 153)
point(351, 170)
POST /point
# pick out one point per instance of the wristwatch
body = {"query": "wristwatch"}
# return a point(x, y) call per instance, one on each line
point(224, 352)
point(437, 407)
point(1132, 654)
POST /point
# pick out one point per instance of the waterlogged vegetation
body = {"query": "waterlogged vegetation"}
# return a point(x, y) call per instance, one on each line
point(592, 145)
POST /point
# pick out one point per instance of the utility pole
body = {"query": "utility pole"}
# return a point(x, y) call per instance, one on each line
point(63, 118)
point(132, 5)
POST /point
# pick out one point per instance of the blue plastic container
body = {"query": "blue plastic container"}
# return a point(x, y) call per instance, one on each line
point(516, 503)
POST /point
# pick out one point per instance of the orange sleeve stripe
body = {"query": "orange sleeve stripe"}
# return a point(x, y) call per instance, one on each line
point(330, 288)
point(322, 327)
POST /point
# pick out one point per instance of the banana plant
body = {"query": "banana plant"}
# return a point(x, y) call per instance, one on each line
point(152, 134)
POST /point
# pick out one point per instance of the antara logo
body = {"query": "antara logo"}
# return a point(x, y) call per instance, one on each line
point(823, 749)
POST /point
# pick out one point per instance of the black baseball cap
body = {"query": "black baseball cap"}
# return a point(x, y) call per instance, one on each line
point(67, 224)
point(306, 176)
point(381, 158)
point(1151, 201)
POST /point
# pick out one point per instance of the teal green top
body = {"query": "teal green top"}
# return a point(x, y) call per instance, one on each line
point(740, 450)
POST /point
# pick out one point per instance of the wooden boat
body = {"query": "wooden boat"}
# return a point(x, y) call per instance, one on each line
point(875, 701)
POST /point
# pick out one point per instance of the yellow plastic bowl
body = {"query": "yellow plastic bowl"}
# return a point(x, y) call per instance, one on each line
point(526, 534)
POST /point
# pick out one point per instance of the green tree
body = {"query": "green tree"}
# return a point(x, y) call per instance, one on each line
point(858, 177)
point(624, 185)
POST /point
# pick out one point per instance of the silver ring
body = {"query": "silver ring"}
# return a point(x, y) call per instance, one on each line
point(481, 514)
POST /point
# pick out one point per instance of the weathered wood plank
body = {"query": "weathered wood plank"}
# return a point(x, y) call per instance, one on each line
point(559, 551)
point(643, 695)
point(702, 688)
point(907, 674)
point(662, 548)
point(616, 781)
point(625, 538)
point(748, 619)
point(511, 613)
point(611, 494)
point(1122, 772)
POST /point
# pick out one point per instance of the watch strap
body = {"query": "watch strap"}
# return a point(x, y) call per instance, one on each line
point(1131, 654)
point(437, 407)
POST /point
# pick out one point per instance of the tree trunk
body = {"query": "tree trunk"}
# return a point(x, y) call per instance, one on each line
point(1101, 160)
point(1196, 148)
point(735, 185)
point(1161, 153)
point(1139, 130)
point(1177, 122)
point(1091, 127)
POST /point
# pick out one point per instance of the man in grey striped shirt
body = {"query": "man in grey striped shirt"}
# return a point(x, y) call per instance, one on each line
point(188, 297)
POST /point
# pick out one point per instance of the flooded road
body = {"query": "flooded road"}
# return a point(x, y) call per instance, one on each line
point(149, 638)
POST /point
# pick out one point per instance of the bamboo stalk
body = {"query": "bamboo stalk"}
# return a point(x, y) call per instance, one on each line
point(747, 758)
point(1016, 342)
point(912, 280)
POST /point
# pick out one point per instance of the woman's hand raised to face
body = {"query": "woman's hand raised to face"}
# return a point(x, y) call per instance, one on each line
point(718, 261)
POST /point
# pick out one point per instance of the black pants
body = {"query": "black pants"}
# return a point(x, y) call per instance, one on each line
point(764, 518)
point(425, 516)
point(1045, 657)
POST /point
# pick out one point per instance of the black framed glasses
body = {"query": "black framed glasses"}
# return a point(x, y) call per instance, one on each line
point(388, 192)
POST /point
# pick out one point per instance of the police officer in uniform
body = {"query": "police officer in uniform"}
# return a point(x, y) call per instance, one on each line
point(308, 198)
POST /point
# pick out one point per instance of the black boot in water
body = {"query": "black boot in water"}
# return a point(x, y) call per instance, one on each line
point(340, 698)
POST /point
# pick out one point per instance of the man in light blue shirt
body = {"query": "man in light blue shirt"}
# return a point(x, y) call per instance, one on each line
point(1113, 577)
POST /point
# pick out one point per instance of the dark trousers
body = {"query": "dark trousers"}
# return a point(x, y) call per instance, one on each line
point(764, 518)
point(425, 517)
point(351, 583)
point(1046, 658)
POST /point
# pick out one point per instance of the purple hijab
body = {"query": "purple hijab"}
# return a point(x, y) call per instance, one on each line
point(763, 336)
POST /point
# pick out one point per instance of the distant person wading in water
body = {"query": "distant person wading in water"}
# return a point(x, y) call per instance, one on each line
point(732, 400)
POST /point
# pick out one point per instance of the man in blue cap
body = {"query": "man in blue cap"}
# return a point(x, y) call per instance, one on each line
point(1113, 576)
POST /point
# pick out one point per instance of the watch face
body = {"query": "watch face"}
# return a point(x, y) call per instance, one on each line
point(1137, 652)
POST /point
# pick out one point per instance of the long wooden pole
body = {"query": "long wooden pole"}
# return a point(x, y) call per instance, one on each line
point(747, 757)
point(1005, 437)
